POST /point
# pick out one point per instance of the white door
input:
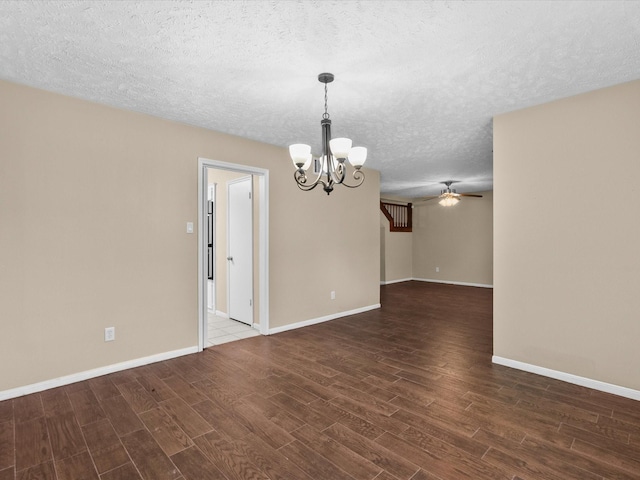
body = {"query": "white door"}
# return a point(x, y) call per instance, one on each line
point(240, 249)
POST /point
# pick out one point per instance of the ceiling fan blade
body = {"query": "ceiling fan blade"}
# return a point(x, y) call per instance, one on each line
point(469, 195)
point(425, 199)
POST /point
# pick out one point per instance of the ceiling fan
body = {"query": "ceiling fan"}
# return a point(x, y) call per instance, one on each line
point(448, 196)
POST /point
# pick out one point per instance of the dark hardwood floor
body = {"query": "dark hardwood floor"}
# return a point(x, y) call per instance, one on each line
point(404, 392)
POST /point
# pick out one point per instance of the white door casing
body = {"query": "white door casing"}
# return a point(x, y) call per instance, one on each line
point(211, 247)
point(240, 249)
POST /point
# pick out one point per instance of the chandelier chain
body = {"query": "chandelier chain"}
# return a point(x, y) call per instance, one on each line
point(325, 115)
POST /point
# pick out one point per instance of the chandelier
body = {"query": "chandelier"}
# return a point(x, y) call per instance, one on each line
point(332, 162)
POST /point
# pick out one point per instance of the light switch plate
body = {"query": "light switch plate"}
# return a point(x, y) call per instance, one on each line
point(109, 334)
point(189, 227)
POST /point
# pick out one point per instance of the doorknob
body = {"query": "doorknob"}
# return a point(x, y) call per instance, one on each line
point(230, 259)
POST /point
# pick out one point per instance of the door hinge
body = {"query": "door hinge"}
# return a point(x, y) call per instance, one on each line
point(250, 303)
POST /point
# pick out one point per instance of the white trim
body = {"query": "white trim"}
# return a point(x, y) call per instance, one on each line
point(96, 372)
point(568, 377)
point(212, 194)
point(203, 184)
point(389, 282)
point(451, 282)
point(221, 314)
point(263, 249)
point(326, 318)
point(263, 239)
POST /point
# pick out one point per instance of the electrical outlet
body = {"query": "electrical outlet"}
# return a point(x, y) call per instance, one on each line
point(437, 269)
point(333, 295)
point(109, 334)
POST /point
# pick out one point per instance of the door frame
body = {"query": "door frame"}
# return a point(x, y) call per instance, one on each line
point(248, 178)
point(263, 241)
point(211, 192)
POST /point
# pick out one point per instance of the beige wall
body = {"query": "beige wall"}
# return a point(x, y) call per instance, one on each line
point(567, 204)
point(396, 257)
point(93, 205)
point(458, 240)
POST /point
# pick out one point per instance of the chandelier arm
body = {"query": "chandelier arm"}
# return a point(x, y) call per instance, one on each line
point(358, 176)
point(337, 175)
point(303, 176)
point(307, 188)
point(301, 180)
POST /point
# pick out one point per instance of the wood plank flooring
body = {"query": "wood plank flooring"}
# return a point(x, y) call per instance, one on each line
point(404, 392)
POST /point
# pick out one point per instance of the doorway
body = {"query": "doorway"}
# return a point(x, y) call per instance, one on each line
point(259, 300)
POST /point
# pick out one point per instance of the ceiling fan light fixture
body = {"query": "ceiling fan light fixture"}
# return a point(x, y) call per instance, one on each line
point(448, 196)
point(448, 200)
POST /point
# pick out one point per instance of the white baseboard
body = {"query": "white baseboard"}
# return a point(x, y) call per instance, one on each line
point(389, 282)
point(569, 378)
point(221, 314)
point(450, 282)
point(96, 372)
point(326, 318)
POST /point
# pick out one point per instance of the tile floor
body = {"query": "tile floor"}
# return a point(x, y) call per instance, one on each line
point(222, 330)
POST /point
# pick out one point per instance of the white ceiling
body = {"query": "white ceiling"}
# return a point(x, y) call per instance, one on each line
point(417, 82)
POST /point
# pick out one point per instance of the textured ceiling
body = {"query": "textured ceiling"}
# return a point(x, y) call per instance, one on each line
point(416, 82)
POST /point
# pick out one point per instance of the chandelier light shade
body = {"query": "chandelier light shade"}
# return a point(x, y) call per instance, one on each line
point(357, 156)
point(335, 154)
point(340, 147)
point(300, 155)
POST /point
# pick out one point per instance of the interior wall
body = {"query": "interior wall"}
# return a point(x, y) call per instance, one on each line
point(567, 234)
point(94, 203)
point(396, 253)
point(456, 240)
point(331, 242)
point(383, 273)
